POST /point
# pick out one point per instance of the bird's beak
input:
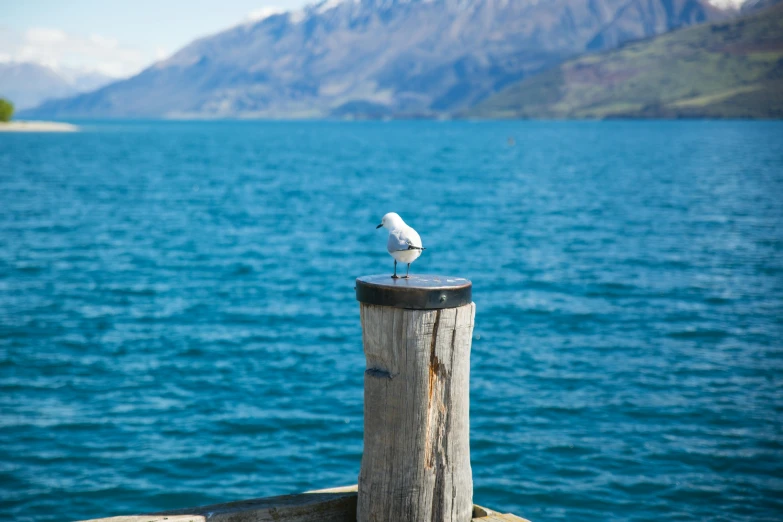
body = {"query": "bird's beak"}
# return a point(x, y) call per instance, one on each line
point(379, 226)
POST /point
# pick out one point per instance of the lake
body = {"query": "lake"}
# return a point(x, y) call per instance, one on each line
point(178, 323)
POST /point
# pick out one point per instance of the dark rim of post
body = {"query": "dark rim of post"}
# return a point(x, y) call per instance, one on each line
point(419, 292)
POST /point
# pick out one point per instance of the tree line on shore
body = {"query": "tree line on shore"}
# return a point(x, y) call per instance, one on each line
point(6, 110)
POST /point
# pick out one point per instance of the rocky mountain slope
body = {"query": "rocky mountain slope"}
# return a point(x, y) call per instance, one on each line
point(29, 84)
point(730, 69)
point(373, 58)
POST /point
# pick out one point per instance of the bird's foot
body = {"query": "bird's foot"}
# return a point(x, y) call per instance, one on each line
point(395, 277)
point(405, 277)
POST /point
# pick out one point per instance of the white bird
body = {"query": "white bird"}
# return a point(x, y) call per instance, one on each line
point(404, 243)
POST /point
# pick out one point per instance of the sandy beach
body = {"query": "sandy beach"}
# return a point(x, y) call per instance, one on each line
point(37, 126)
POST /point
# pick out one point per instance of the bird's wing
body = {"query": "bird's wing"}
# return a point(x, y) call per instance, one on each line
point(403, 239)
point(396, 241)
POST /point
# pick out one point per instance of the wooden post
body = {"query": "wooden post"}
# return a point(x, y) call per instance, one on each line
point(417, 336)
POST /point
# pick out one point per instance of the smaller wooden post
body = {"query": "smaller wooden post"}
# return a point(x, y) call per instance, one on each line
point(417, 337)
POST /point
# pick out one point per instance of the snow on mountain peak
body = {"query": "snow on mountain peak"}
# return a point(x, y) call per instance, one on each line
point(727, 4)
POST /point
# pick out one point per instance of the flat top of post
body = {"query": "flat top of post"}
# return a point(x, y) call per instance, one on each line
point(418, 292)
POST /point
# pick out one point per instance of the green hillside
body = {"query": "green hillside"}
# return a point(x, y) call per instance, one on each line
point(725, 70)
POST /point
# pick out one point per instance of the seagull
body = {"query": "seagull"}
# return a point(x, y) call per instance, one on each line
point(404, 243)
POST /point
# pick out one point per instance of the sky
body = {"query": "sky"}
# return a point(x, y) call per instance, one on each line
point(116, 37)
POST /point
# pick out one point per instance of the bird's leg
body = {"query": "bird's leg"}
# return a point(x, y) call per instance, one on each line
point(408, 271)
point(395, 276)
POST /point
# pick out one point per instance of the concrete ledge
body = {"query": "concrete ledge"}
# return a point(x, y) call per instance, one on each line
point(325, 505)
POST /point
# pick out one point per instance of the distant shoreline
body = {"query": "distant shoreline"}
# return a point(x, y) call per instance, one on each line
point(37, 126)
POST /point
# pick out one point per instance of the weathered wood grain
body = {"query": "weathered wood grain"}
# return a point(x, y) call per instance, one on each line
point(327, 505)
point(508, 517)
point(337, 505)
point(416, 461)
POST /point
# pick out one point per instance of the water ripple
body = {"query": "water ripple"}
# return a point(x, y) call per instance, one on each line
point(178, 326)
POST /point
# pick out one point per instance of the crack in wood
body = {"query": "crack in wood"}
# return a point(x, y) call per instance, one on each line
point(434, 364)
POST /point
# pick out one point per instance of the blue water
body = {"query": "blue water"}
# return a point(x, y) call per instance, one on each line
point(178, 324)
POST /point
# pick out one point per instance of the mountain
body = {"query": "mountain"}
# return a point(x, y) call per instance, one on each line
point(29, 84)
point(732, 69)
point(749, 6)
point(86, 81)
point(377, 57)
